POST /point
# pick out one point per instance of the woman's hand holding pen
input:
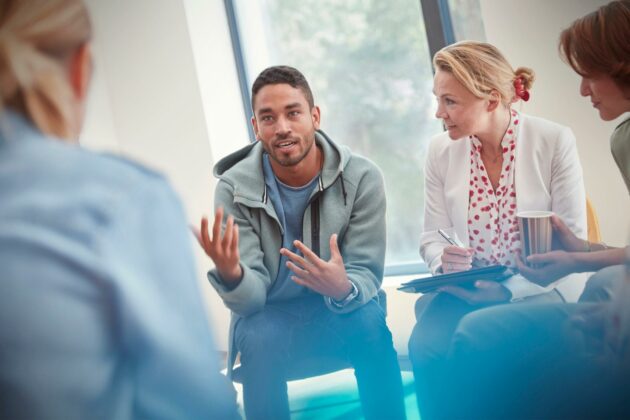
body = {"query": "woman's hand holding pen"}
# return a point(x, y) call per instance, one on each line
point(456, 258)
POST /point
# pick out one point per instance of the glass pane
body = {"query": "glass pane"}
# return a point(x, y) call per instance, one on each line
point(369, 67)
point(466, 18)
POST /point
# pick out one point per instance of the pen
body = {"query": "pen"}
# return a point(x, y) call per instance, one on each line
point(448, 238)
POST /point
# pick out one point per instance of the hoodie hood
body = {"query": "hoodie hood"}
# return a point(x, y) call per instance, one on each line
point(246, 166)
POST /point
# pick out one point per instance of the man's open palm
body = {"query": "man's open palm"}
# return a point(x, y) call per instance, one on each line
point(223, 250)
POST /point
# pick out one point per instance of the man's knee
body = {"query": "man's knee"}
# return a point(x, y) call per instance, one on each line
point(366, 324)
point(260, 333)
point(602, 285)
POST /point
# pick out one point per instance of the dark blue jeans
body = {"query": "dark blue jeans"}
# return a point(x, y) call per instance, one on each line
point(438, 317)
point(275, 341)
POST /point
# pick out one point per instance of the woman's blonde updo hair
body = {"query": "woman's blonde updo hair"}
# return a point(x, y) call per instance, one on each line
point(481, 68)
point(37, 37)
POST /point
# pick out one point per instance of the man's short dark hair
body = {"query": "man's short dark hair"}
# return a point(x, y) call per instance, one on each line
point(282, 74)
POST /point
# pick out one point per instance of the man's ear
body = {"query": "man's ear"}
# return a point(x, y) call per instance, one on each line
point(316, 115)
point(255, 125)
point(81, 71)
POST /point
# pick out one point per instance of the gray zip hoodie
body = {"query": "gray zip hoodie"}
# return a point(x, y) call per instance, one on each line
point(349, 201)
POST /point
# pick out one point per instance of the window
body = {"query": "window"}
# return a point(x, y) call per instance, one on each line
point(466, 18)
point(369, 66)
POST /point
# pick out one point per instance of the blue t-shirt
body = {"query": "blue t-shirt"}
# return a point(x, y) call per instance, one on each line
point(290, 204)
point(100, 311)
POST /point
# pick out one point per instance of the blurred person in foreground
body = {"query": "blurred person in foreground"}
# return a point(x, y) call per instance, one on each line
point(563, 360)
point(100, 311)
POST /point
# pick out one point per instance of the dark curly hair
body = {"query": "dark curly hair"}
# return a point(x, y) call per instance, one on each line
point(282, 74)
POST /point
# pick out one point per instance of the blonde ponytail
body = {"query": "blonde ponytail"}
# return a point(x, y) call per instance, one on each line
point(527, 76)
point(483, 69)
point(523, 81)
point(36, 37)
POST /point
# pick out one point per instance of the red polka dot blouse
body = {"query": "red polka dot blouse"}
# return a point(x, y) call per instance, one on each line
point(492, 225)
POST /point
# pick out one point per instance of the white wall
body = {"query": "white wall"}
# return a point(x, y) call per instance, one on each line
point(148, 103)
point(217, 76)
point(527, 33)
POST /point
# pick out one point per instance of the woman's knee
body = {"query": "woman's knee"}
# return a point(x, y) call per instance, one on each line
point(422, 304)
point(427, 344)
point(478, 326)
point(418, 351)
point(437, 319)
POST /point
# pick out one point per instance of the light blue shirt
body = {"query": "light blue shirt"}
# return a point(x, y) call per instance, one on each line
point(100, 311)
point(290, 204)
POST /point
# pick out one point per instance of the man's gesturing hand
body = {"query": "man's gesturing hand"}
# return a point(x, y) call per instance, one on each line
point(328, 278)
point(222, 250)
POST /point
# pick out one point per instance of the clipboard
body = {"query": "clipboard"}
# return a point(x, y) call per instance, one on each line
point(430, 284)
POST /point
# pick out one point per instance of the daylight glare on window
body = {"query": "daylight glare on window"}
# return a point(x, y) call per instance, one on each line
point(369, 67)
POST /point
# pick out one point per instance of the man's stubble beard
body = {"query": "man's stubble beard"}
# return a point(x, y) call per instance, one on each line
point(294, 161)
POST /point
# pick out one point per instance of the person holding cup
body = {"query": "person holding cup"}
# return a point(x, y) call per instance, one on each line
point(492, 163)
point(605, 72)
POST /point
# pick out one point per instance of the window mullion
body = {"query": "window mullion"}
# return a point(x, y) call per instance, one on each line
point(239, 60)
point(438, 24)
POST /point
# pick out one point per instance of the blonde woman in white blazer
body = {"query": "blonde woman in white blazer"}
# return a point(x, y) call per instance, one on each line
point(548, 176)
point(491, 163)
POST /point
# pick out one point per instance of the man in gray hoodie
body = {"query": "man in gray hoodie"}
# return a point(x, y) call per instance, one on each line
point(299, 259)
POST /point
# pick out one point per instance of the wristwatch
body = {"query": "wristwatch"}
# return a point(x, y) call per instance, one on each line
point(345, 301)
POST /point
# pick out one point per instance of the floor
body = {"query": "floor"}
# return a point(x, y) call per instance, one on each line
point(335, 396)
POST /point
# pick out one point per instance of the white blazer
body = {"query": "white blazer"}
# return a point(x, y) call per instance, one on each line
point(548, 176)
